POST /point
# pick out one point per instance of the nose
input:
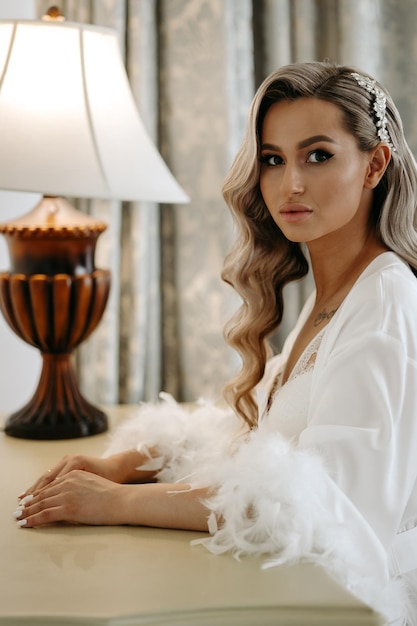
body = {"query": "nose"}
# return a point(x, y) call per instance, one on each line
point(292, 181)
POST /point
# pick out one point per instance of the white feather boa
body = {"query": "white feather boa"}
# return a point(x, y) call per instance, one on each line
point(271, 497)
point(187, 440)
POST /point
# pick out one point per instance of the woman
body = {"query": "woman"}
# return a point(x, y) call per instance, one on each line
point(321, 464)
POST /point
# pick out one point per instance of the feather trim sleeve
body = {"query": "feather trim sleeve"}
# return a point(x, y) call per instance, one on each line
point(277, 501)
point(183, 439)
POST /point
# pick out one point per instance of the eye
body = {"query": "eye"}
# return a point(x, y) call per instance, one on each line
point(271, 159)
point(319, 156)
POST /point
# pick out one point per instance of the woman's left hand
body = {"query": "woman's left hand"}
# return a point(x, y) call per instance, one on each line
point(78, 497)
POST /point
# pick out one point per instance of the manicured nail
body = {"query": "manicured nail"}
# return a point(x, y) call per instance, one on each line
point(26, 499)
point(22, 522)
point(20, 496)
point(18, 513)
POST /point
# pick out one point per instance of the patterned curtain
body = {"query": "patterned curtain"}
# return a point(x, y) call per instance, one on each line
point(193, 67)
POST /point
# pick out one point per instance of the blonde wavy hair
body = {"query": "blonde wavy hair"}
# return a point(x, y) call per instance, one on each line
point(262, 261)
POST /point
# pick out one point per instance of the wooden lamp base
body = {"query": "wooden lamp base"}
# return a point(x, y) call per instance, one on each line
point(57, 410)
point(53, 298)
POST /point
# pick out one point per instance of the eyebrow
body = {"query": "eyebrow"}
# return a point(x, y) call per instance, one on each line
point(302, 144)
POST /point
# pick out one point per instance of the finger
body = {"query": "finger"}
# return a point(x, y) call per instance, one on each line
point(40, 511)
point(65, 466)
point(42, 517)
point(40, 483)
point(46, 490)
point(50, 475)
point(27, 500)
point(46, 478)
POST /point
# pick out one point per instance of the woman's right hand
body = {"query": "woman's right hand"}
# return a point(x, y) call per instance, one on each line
point(119, 468)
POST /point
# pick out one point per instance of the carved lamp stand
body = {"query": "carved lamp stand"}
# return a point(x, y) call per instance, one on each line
point(53, 298)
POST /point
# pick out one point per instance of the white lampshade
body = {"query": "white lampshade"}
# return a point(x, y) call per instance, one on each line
point(68, 122)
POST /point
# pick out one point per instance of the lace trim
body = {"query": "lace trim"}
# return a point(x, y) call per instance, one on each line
point(304, 365)
point(308, 358)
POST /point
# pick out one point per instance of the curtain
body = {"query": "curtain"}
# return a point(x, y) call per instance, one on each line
point(194, 66)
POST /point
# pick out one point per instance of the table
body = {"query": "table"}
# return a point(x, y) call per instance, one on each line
point(65, 575)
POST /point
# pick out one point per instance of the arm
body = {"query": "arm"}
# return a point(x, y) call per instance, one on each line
point(82, 497)
point(362, 422)
point(178, 444)
point(123, 467)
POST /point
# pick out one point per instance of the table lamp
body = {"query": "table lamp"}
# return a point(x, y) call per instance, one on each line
point(68, 127)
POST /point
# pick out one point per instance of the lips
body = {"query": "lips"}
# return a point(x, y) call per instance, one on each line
point(295, 212)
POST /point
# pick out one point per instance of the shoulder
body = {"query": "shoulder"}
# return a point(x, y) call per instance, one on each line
point(382, 302)
point(384, 293)
point(390, 271)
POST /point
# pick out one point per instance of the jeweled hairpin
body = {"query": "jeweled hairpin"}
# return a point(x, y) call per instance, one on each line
point(380, 106)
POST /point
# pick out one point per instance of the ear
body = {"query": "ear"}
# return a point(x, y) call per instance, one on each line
point(378, 163)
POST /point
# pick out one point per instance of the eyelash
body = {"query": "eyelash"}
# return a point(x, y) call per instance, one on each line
point(322, 153)
point(266, 158)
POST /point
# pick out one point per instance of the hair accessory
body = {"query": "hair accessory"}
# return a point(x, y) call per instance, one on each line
point(380, 106)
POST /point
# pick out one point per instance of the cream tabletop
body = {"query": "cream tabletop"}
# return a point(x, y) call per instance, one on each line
point(124, 576)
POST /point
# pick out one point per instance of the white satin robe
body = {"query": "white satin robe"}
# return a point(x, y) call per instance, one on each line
point(330, 474)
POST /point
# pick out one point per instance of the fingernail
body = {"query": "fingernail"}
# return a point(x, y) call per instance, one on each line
point(20, 496)
point(22, 522)
point(18, 513)
point(26, 499)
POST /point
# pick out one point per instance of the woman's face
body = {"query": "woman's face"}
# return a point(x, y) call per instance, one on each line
point(313, 177)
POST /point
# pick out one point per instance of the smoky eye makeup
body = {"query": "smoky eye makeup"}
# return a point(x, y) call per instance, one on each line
point(271, 159)
point(319, 156)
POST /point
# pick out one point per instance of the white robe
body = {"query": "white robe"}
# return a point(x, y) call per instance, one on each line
point(330, 474)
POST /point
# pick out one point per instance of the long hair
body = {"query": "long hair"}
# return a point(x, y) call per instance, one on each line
point(262, 261)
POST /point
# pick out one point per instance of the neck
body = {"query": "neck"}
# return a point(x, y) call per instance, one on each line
point(336, 270)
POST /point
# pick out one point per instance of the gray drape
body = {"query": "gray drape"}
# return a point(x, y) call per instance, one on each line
point(193, 67)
